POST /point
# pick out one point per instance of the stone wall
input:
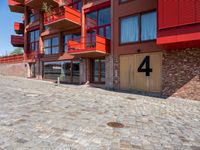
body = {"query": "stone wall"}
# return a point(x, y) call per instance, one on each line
point(14, 69)
point(109, 72)
point(116, 78)
point(181, 73)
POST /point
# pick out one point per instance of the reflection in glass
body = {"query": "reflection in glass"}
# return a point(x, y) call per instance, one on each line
point(68, 71)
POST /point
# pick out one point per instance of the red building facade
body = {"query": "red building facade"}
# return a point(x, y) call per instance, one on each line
point(150, 46)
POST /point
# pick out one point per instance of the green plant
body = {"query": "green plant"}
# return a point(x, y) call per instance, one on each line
point(46, 8)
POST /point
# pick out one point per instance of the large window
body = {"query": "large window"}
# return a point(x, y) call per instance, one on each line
point(148, 26)
point(68, 71)
point(99, 22)
point(67, 37)
point(141, 27)
point(51, 45)
point(33, 40)
point(129, 29)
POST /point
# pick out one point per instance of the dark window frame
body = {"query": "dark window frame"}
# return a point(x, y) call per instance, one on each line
point(35, 42)
point(97, 28)
point(51, 45)
point(99, 70)
point(34, 15)
point(139, 27)
point(73, 38)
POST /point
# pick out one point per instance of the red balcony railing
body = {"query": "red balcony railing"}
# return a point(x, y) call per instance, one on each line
point(63, 17)
point(16, 6)
point(95, 46)
point(19, 28)
point(17, 41)
point(12, 59)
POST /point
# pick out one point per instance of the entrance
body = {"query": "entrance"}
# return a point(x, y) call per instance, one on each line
point(98, 70)
point(141, 72)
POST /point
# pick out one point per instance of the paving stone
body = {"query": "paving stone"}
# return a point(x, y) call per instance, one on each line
point(36, 115)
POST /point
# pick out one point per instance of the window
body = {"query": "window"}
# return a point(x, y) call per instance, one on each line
point(51, 45)
point(141, 27)
point(33, 16)
point(148, 26)
point(129, 29)
point(33, 40)
point(68, 71)
point(98, 22)
point(74, 37)
point(76, 4)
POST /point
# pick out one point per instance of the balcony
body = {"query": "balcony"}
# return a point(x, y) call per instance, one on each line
point(16, 6)
point(62, 18)
point(19, 28)
point(17, 41)
point(97, 47)
point(39, 3)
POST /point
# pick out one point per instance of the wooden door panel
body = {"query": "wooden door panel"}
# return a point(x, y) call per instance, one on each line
point(155, 78)
point(130, 78)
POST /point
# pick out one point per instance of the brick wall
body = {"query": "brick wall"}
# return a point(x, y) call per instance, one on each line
point(14, 69)
point(181, 73)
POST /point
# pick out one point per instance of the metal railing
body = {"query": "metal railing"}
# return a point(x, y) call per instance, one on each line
point(12, 59)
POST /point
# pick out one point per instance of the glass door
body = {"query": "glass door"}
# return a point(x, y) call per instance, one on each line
point(98, 70)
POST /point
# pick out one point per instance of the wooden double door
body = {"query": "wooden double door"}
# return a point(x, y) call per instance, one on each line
point(141, 72)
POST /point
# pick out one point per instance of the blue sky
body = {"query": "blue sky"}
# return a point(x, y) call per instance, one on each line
point(7, 20)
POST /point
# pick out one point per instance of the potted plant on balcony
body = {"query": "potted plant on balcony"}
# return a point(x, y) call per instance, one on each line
point(47, 9)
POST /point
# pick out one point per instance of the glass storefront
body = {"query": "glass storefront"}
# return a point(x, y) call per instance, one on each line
point(68, 71)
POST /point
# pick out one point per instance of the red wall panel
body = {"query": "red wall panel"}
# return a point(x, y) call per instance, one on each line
point(197, 13)
point(160, 14)
point(186, 12)
point(170, 13)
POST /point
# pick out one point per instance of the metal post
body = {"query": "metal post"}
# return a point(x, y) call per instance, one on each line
point(58, 81)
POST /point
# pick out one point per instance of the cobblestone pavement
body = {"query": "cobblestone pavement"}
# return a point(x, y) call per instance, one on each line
point(41, 116)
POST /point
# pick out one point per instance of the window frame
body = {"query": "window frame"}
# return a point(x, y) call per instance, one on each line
point(33, 14)
point(73, 38)
point(139, 27)
point(51, 45)
point(97, 28)
point(35, 42)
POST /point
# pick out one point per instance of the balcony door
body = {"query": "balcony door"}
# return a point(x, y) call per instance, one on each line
point(99, 22)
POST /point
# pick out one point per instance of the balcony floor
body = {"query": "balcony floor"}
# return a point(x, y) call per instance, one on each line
point(63, 24)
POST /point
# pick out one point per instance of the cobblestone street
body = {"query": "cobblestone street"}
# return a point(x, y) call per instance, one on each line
point(38, 115)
